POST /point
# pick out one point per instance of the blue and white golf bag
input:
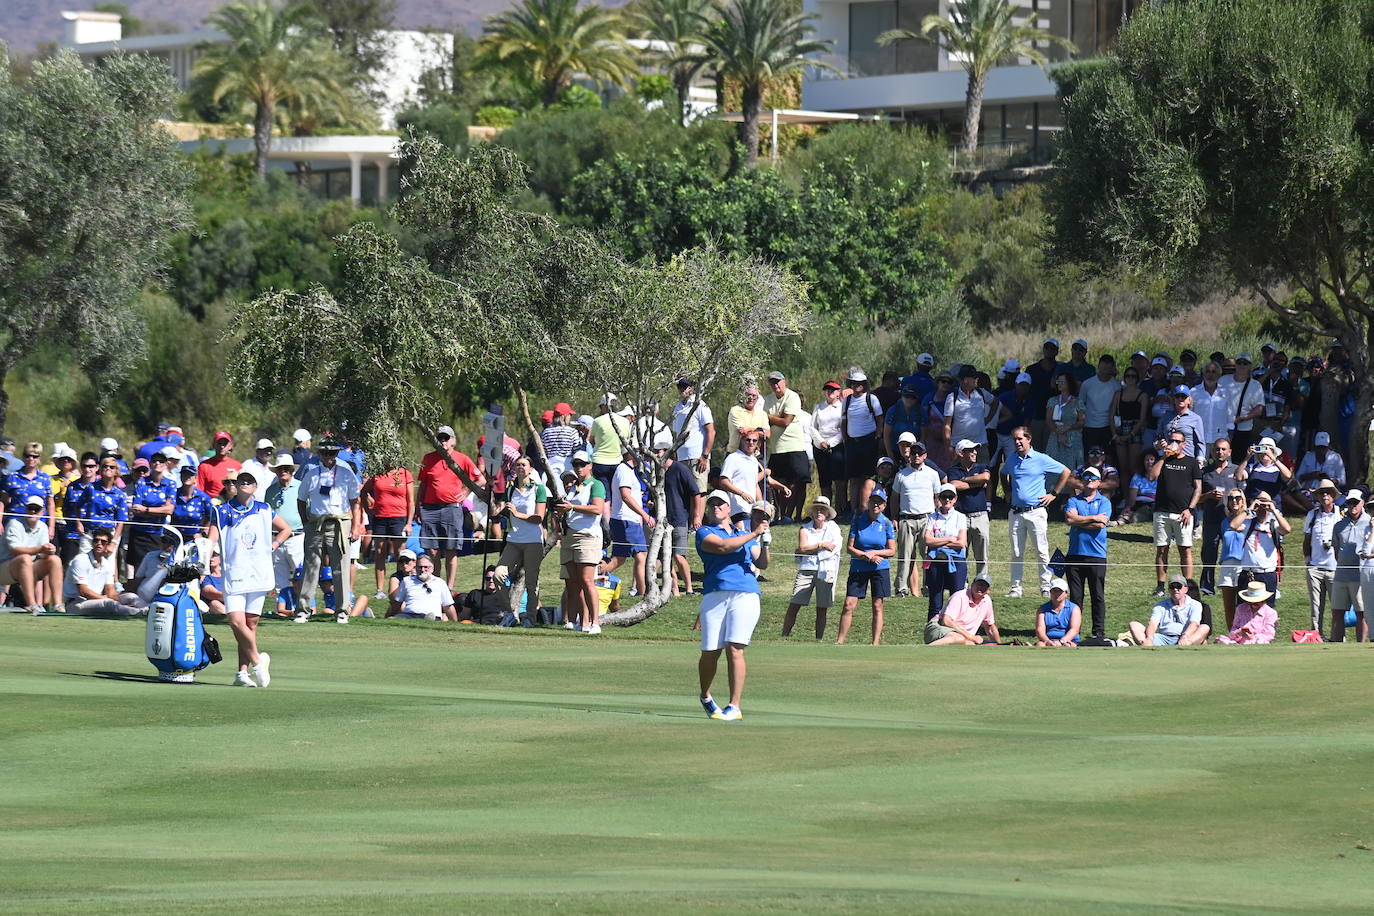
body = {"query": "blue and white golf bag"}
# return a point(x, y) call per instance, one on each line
point(177, 643)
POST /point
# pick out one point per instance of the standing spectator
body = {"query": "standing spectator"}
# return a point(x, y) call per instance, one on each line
point(1130, 415)
point(1108, 476)
point(1278, 393)
point(1175, 621)
point(921, 380)
point(742, 476)
point(389, 500)
point(1348, 539)
point(631, 520)
point(1246, 404)
point(63, 473)
point(1024, 477)
point(329, 507)
point(1263, 472)
point(1042, 375)
point(938, 445)
point(1078, 364)
point(610, 436)
point(787, 461)
point(913, 492)
point(1337, 400)
point(970, 479)
point(559, 440)
point(440, 494)
point(747, 414)
point(1180, 488)
point(283, 496)
point(190, 506)
point(28, 556)
point(1016, 408)
point(1158, 378)
point(1064, 420)
point(683, 512)
point(1184, 420)
point(861, 424)
point(1097, 393)
point(965, 614)
point(818, 566)
point(260, 465)
point(525, 507)
point(730, 600)
point(216, 471)
point(154, 501)
point(9, 463)
point(104, 505)
point(109, 448)
point(301, 453)
point(1187, 361)
point(946, 543)
point(1318, 550)
point(1212, 401)
point(154, 444)
point(1059, 620)
point(181, 456)
point(30, 481)
point(1089, 513)
point(248, 531)
point(1232, 551)
point(871, 543)
point(1322, 462)
point(1218, 479)
point(828, 441)
point(906, 416)
point(695, 451)
point(966, 411)
point(72, 499)
point(886, 393)
point(580, 550)
point(1263, 527)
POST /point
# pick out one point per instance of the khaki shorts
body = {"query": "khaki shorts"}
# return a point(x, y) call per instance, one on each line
point(1346, 596)
point(581, 547)
point(935, 630)
point(806, 583)
point(1169, 529)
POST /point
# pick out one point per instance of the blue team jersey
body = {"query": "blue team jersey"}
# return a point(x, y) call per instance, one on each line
point(1082, 542)
point(726, 572)
point(147, 493)
point(105, 506)
point(871, 534)
point(19, 488)
point(72, 500)
point(189, 513)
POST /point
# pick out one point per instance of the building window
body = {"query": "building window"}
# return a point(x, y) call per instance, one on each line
point(866, 22)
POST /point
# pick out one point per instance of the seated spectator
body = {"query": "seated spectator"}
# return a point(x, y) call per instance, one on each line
point(1140, 495)
point(965, 613)
point(423, 597)
point(484, 605)
point(1175, 621)
point(28, 557)
point(405, 566)
point(1255, 619)
point(607, 590)
point(91, 586)
point(1059, 620)
point(212, 585)
point(148, 578)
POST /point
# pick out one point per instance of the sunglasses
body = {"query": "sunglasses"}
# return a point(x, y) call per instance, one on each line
point(34, 510)
point(28, 457)
point(109, 467)
point(90, 466)
point(101, 541)
point(1234, 498)
point(1176, 587)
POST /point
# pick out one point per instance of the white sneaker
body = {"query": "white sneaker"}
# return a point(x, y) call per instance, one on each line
point(243, 680)
point(341, 617)
point(380, 596)
point(37, 610)
point(569, 625)
point(301, 617)
point(1015, 591)
point(594, 629)
point(260, 670)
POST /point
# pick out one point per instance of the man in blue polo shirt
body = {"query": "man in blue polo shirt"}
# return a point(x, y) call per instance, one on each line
point(1088, 514)
point(1024, 476)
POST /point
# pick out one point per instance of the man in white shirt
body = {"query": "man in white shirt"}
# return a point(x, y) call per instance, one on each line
point(1317, 532)
point(742, 476)
point(422, 596)
point(695, 450)
point(1212, 403)
point(260, 465)
point(332, 515)
point(913, 492)
point(1323, 462)
point(787, 459)
point(1097, 394)
point(91, 587)
point(1247, 403)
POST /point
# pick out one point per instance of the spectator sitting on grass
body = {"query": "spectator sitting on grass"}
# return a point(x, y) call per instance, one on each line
point(1255, 619)
point(1058, 621)
point(28, 557)
point(424, 597)
point(484, 605)
point(212, 585)
point(1175, 621)
point(1140, 495)
point(964, 614)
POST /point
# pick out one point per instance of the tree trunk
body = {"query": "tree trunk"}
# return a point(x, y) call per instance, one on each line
point(749, 128)
point(660, 551)
point(4, 400)
point(555, 484)
point(1358, 467)
point(682, 82)
point(552, 89)
point(262, 135)
point(973, 111)
point(303, 172)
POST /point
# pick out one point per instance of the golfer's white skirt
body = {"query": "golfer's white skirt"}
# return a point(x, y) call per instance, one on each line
point(728, 617)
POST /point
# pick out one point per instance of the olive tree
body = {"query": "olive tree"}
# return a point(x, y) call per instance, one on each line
point(1239, 137)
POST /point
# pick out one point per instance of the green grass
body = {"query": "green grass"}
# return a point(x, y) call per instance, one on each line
point(404, 767)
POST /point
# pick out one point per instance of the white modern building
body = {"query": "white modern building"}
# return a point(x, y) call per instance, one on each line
point(924, 83)
point(411, 54)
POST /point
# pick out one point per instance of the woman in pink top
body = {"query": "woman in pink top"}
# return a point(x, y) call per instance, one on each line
point(1255, 619)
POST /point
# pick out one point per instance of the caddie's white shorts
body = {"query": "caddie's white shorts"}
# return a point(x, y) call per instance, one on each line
point(728, 617)
point(248, 603)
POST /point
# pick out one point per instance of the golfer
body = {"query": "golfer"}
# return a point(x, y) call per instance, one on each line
point(247, 531)
point(730, 597)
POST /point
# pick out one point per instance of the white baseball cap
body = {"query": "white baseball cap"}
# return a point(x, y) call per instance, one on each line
point(608, 399)
point(1322, 438)
point(856, 374)
point(584, 420)
point(1051, 340)
point(1354, 496)
point(907, 436)
point(446, 431)
point(925, 359)
point(1009, 367)
point(719, 496)
point(1080, 342)
point(301, 435)
point(580, 455)
point(1159, 361)
point(1059, 583)
point(965, 444)
point(265, 443)
point(109, 444)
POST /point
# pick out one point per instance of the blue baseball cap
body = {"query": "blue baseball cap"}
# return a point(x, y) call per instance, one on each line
point(1182, 390)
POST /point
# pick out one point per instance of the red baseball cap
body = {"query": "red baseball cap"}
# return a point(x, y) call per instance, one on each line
point(222, 435)
point(547, 416)
point(562, 409)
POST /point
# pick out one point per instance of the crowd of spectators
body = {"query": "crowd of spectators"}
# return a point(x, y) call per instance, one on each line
point(1210, 453)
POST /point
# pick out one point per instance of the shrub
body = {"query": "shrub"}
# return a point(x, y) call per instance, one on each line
point(496, 116)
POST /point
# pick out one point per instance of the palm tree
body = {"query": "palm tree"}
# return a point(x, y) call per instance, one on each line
point(678, 25)
point(554, 41)
point(751, 42)
point(273, 56)
point(983, 33)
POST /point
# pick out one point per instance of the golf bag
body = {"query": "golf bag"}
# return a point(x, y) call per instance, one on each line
point(177, 643)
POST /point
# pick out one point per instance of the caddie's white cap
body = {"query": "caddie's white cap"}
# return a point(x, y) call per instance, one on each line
point(265, 443)
point(301, 435)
